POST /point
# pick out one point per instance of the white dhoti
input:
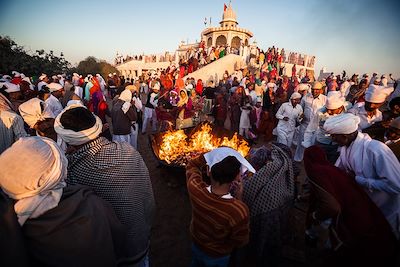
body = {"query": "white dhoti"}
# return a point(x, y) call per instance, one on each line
point(149, 115)
point(285, 137)
point(298, 156)
point(129, 138)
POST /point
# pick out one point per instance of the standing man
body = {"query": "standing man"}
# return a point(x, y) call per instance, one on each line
point(288, 115)
point(373, 164)
point(149, 108)
point(368, 111)
point(310, 103)
point(115, 171)
point(123, 116)
point(315, 133)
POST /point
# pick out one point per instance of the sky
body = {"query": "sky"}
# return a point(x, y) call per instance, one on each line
point(359, 36)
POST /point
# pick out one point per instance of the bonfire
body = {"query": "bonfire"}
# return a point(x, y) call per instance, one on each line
point(178, 148)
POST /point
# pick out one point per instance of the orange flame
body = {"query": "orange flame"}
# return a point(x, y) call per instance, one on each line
point(176, 147)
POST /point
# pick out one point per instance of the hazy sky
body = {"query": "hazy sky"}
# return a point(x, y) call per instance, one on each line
point(357, 35)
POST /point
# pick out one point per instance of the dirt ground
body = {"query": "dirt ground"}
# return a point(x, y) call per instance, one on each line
point(170, 239)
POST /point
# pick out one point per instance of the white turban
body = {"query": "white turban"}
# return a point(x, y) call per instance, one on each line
point(33, 170)
point(218, 154)
point(31, 111)
point(26, 79)
point(334, 100)
point(53, 87)
point(345, 123)
point(126, 96)
point(16, 73)
point(11, 88)
point(303, 87)
point(295, 95)
point(377, 94)
point(77, 138)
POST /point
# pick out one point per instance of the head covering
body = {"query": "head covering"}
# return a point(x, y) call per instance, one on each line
point(156, 86)
point(41, 77)
point(31, 111)
point(182, 100)
point(303, 87)
point(317, 85)
point(131, 88)
point(16, 73)
point(126, 96)
point(334, 100)
point(377, 94)
point(218, 154)
point(189, 86)
point(53, 87)
point(41, 168)
point(11, 88)
point(259, 156)
point(77, 138)
point(295, 95)
point(345, 123)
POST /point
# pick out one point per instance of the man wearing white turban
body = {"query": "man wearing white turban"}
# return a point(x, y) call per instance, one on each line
point(310, 103)
point(372, 163)
point(115, 171)
point(315, 134)
point(53, 216)
point(11, 124)
point(288, 114)
point(368, 111)
point(124, 117)
point(41, 119)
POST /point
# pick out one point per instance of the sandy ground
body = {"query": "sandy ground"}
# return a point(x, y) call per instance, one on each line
point(170, 240)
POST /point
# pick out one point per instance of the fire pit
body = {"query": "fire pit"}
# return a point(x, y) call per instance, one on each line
point(176, 148)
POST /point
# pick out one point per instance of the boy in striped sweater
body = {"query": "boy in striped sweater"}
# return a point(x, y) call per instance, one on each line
point(220, 222)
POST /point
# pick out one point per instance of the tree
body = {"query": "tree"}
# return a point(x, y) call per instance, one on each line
point(92, 65)
point(14, 57)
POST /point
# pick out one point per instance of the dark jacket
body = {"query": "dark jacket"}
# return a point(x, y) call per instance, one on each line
point(121, 121)
point(82, 230)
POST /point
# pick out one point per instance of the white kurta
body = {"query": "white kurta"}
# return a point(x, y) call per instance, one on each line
point(365, 120)
point(285, 129)
point(310, 107)
point(377, 170)
point(54, 105)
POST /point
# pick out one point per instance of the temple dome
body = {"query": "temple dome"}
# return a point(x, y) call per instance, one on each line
point(229, 16)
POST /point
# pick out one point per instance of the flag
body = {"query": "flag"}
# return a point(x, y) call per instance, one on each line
point(225, 7)
point(205, 21)
point(210, 21)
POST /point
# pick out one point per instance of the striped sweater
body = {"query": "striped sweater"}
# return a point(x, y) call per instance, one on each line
point(218, 225)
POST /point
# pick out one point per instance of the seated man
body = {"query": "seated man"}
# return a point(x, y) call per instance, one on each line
point(61, 225)
point(220, 222)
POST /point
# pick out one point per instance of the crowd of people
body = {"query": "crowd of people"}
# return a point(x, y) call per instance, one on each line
point(70, 169)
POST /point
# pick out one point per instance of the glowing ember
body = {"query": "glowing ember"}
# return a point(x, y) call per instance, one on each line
point(177, 148)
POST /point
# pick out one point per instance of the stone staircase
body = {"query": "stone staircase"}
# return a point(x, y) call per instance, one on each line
point(215, 70)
